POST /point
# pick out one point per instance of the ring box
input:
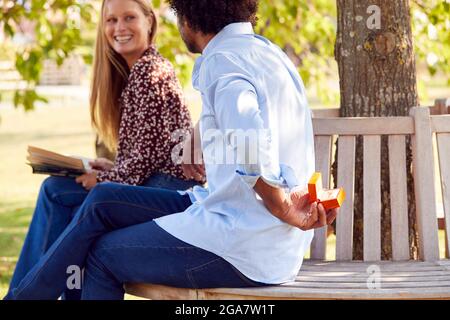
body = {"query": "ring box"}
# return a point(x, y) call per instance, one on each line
point(329, 198)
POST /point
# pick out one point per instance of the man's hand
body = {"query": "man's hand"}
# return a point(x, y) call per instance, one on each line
point(296, 209)
point(191, 169)
point(192, 161)
point(101, 164)
point(88, 180)
point(305, 215)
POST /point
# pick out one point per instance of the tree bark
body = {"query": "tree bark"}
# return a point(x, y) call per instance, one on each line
point(377, 78)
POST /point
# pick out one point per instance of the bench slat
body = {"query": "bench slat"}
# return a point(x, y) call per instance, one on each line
point(384, 267)
point(283, 292)
point(363, 126)
point(443, 142)
point(159, 292)
point(345, 178)
point(356, 276)
point(363, 285)
point(363, 278)
point(399, 198)
point(424, 186)
point(372, 199)
point(323, 159)
point(313, 293)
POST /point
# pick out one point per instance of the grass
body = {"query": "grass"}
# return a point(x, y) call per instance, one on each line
point(64, 129)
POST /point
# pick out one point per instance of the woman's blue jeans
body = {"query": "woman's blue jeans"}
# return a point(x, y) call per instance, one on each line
point(113, 237)
point(58, 201)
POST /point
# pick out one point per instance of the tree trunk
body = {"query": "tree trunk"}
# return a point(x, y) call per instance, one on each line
point(377, 75)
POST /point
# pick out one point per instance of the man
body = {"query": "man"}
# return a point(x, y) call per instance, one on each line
point(244, 230)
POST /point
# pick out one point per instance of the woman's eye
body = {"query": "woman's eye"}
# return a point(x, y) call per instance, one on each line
point(111, 20)
point(129, 18)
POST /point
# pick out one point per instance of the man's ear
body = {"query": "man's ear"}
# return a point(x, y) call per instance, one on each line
point(185, 24)
point(181, 22)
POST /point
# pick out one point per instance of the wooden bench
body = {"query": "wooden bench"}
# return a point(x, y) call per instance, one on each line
point(401, 278)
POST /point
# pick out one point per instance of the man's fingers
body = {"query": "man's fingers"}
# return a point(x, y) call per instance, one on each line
point(332, 214)
point(201, 169)
point(322, 215)
point(313, 214)
point(191, 173)
point(198, 169)
point(198, 177)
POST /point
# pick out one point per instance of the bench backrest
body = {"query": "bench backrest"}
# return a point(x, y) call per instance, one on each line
point(420, 126)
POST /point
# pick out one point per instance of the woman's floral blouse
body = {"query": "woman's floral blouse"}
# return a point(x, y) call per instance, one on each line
point(152, 108)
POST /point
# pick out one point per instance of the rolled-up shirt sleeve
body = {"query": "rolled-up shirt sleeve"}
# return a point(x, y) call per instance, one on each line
point(235, 102)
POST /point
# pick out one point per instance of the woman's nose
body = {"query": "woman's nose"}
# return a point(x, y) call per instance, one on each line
point(120, 25)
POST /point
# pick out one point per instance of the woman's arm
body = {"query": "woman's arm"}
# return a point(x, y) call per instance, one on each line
point(155, 95)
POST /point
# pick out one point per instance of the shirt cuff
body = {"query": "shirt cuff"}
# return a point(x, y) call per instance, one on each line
point(251, 173)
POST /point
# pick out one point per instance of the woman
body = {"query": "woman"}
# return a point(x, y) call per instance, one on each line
point(136, 103)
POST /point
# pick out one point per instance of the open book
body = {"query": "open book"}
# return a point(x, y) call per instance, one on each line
point(55, 164)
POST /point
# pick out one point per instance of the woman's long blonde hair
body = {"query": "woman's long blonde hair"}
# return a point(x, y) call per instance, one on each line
point(109, 79)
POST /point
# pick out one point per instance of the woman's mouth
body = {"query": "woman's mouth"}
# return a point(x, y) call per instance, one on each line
point(123, 39)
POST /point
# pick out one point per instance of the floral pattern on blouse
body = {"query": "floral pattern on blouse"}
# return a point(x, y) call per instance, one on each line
point(152, 108)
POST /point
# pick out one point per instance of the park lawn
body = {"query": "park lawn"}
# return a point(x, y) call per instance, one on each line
point(63, 129)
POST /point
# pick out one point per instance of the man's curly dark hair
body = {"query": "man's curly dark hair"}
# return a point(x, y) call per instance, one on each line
point(211, 16)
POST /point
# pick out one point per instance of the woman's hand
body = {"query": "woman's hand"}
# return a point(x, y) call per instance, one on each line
point(305, 215)
point(101, 164)
point(88, 180)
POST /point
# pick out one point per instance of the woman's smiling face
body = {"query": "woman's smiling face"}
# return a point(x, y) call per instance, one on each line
point(127, 29)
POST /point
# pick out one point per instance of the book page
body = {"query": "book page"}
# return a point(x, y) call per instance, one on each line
point(42, 156)
point(85, 160)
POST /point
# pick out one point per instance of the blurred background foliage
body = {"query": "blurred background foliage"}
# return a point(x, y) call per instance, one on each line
point(61, 27)
point(304, 29)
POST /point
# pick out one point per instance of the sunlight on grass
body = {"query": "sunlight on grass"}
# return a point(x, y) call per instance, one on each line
point(63, 129)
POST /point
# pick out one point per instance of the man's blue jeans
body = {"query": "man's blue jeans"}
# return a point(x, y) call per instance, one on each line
point(114, 238)
point(58, 201)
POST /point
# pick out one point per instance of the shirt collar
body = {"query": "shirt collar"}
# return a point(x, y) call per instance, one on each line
point(238, 28)
point(230, 30)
